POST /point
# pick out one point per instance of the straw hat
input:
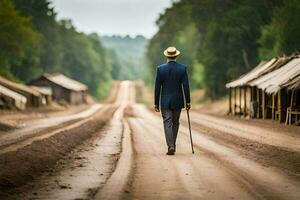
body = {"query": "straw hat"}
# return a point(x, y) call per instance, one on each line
point(171, 52)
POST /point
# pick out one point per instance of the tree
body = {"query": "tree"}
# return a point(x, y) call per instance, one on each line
point(32, 42)
point(281, 36)
point(101, 68)
point(115, 63)
point(84, 59)
point(16, 35)
point(127, 55)
point(43, 19)
point(176, 28)
point(218, 39)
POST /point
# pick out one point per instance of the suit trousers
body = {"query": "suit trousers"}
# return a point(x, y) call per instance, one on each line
point(171, 125)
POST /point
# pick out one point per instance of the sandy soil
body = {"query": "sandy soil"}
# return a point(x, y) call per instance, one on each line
point(214, 172)
point(126, 159)
point(31, 160)
point(40, 151)
point(21, 119)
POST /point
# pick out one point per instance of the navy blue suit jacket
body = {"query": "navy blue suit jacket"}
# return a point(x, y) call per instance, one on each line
point(171, 86)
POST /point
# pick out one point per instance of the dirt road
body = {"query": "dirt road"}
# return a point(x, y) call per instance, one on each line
point(34, 127)
point(126, 160)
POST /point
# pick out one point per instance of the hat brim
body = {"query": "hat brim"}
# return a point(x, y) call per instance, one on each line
point(171, 55)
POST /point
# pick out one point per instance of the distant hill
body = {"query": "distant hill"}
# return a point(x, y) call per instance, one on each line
point(130, 53)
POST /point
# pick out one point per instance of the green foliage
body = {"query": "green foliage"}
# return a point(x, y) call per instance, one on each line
point(33, 42)
point(219, 39)
point(43, 19)
point(83, 58)
point(269, 41)
point(102, 73)
point(230, 47)
point(125, 56)
point(115, 63)
point(282, 35)
point(16, 37)
point(176, 28)
point(197, 77)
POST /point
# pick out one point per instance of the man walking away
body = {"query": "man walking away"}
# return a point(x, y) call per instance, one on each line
point(171, 87)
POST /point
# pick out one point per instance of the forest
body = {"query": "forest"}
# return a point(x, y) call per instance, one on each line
point(126, 55)
point(220, 40)
point(33, 41)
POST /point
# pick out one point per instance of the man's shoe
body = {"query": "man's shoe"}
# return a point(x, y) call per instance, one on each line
point(171, 151)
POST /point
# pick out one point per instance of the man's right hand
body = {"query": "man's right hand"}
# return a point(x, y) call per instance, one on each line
point(156, 108)
point(188, 106)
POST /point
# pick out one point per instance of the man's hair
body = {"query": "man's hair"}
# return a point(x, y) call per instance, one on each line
point(172, 58)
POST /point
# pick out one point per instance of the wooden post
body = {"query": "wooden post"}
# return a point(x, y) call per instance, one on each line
point(279, 106)
point(235, 89)
point(230, 109)
point(240, 100)
point(250, 114)
point(251, 94)
point(245, 101)
point(291, 107)
point(258, 103)
point(273, 106)
point(254, 98)
point(263, 104)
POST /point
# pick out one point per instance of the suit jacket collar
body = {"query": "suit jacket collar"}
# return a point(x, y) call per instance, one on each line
point(168, 61)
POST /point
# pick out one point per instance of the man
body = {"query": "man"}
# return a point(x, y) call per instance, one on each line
point(171, 87)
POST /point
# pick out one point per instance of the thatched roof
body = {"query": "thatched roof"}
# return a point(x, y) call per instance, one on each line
point(276, 79)
point(261, 69)
point(277, 73)
point(293, 84)
point(42, 90)
point(65, 82)
point(17, 87)
point(19, 99)
point(254, 73)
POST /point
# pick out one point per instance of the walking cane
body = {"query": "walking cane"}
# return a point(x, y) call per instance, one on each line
point(188, 115)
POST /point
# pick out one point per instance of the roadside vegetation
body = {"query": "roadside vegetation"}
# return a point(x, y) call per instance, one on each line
point(221, 40)
point(126, 55)
point(33, 42)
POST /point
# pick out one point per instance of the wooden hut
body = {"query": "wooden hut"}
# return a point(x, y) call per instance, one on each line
point(293, 111)
point(11, 100)
point(240, 85)
point(63, 88)
point(276, 95)
point(267, 86)
point(34, 99)
point(46, 92)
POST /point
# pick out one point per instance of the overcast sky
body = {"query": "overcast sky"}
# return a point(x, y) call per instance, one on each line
point(112, 16)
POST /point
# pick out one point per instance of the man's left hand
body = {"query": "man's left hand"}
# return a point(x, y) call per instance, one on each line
point(188, 106)
point(156, 108)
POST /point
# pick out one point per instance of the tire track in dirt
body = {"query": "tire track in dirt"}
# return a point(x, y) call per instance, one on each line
point(27, 162)
point(99, 161)
point(38, 129)
point(269, 182)
point(183, 176)
point(18, 143)
point(287, 141)
point(84, 177)
point(267, 155)
point(115, 186)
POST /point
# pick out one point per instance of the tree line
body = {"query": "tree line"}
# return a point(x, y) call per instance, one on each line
point(220, 40)
point(33, 41)
point(127, 55)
